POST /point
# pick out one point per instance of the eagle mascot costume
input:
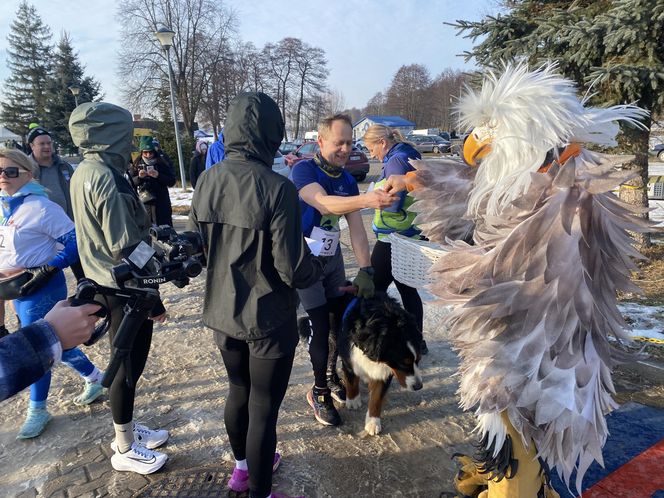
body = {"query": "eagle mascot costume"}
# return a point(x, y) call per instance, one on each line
point(534, 293)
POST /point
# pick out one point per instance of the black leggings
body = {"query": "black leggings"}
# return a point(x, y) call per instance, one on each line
point(256, 389)
point(322, 344)
point(120, 394)
point(381, 260)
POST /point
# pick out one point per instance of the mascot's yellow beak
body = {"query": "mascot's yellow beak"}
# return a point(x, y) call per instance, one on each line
point(477, 146)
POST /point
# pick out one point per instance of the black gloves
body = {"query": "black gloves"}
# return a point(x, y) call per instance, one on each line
point(40, 276)
point(364, 282)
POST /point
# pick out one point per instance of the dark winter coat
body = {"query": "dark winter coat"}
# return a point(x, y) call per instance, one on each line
point(161, 208)
point(249, 217)
point(65, 172)
point(196, 167)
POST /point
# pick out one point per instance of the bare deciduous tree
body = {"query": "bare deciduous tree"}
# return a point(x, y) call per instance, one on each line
point(311, 73)
point(406, 96)
point(376, 105)
point(203, 31)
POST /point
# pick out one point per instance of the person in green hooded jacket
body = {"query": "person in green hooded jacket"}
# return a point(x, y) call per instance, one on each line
point(110, 223)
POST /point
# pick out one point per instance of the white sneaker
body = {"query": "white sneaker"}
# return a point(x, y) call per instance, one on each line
point(146, 437)
point(138, 459)
point(149, 438)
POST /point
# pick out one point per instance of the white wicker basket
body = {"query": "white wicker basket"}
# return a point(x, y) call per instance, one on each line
point(412, 259)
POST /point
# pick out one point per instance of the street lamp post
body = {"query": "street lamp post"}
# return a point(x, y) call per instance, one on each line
point(75, 90)
point(165, 37)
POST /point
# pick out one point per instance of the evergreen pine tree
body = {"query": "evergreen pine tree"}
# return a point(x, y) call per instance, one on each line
point(29, 59)
point(615, 48)
point(67, 72)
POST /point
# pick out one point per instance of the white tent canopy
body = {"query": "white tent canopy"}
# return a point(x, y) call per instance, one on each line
point(6, 135)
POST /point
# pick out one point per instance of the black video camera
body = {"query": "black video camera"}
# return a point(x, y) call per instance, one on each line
point(184, 248)
point(175, 257)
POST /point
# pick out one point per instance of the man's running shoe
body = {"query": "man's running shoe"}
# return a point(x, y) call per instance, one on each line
point(324, 410)
point(138, 459)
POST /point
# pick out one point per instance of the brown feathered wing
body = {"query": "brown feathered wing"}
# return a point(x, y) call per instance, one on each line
point(536, 304)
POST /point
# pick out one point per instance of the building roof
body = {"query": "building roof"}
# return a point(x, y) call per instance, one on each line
point(387, 120)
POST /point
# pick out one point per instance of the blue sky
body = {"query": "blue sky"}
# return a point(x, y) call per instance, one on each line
point(365, 41)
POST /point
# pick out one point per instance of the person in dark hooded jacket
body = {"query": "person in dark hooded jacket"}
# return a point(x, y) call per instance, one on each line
point(249, 218)
point(197, 164)
point(152, 174)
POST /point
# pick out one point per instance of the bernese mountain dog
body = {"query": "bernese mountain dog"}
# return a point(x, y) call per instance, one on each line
point(379, 340)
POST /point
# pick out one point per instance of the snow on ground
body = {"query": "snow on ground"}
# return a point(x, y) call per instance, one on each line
point(646, 321)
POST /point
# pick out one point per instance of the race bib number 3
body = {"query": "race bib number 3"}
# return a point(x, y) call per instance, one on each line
point(329, 239)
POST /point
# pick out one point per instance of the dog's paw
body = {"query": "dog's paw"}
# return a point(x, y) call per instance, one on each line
point(372, 425)
point(354, 403)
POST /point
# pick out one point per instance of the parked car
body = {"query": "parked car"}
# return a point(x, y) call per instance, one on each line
point(279, 164)
point(430, 143)
point(287, 147)
point(357, 165)
point(361, 146)
point(423, 143)
point(440, 145)
point(657, 151)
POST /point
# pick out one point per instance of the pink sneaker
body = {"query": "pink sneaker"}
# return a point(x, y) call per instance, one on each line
point(239, 481)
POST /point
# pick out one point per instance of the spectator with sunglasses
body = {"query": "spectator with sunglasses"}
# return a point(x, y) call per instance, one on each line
point(37, 241)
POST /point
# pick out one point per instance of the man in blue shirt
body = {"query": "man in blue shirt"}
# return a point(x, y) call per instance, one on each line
point(326, 193)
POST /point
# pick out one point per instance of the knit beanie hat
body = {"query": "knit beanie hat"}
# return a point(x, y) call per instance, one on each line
point(146, 144)
point(37, 132)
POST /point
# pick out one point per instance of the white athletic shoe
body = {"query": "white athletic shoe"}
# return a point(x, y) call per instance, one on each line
point(138, 459)
point(146, 437)
point(149, 438)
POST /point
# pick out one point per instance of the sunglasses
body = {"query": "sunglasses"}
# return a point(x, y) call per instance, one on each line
point(10, 171)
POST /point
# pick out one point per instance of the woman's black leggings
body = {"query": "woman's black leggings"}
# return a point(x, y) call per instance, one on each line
point(257, 387)
point(381, 260)
point(121, 395)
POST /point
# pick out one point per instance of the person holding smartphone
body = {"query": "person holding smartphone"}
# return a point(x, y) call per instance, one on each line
point(152, 176)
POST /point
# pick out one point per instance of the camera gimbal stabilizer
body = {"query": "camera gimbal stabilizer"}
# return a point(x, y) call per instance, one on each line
point(178, 257)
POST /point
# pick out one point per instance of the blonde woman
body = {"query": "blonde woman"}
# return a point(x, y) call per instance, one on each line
point(38, 241)
point(389, 146)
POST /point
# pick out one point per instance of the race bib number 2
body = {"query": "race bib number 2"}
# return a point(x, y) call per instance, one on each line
point(7, 239)
point(329, 239)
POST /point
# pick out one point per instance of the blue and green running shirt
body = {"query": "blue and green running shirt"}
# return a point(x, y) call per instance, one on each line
point(307, 172)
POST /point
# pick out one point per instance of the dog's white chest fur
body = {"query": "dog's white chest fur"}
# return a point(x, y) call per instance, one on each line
point(366, 368)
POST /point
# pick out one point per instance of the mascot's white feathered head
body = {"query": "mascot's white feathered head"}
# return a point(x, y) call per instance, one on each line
point(520, 115)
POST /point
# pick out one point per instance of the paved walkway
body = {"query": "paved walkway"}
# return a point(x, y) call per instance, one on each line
point(183, 390)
